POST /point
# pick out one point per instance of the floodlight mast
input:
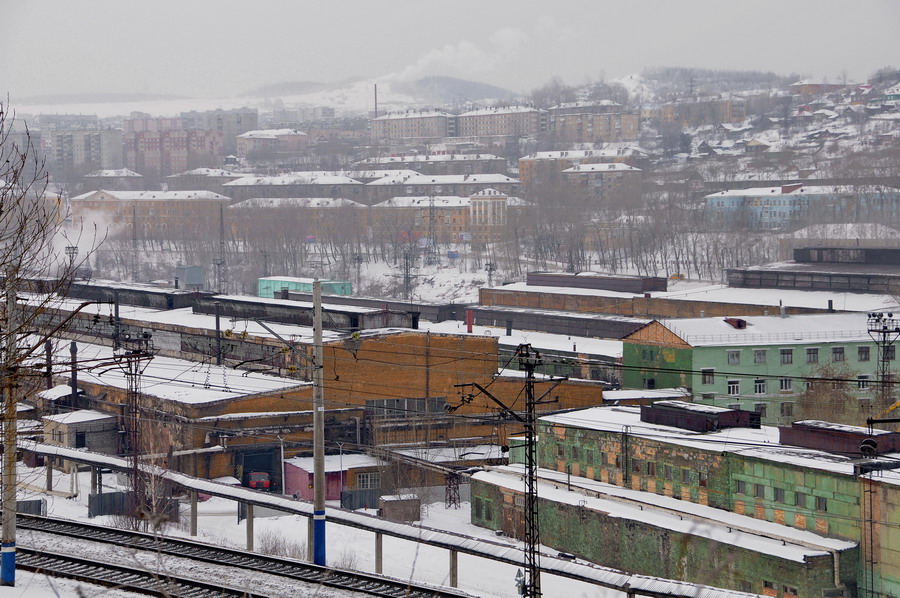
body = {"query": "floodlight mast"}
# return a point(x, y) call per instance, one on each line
point(884, 329)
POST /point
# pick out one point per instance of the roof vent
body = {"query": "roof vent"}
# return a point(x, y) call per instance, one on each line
point(738, 323)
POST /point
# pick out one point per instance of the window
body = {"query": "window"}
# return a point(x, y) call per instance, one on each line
point(759, 491)
point(560, 451)
point(685, 476)
point(769, 585)
point(745, 586)
point(787, 356)
point(734, 387)
point(821, 503)
point(759, 386)
point(760, 408)
point(476, 507)
point(800, 499)
point(734, 406)
point(759, 355)
point(812, 355)
point(786, 385)
point(741, 487)
point(651, 468)
point(862, 381)
point(668, 472)
point(837, 354)
point(575, 454)
point(488, 510)
point(368, 480)
point(891, 352)
point(779, 494)
point(787, 410)
point(649, 383)
point(708, 376)
point(862, 353)
point(734, 358)
point(80, 439)
point(636, 466)
point(702, 479)
point(789, 590)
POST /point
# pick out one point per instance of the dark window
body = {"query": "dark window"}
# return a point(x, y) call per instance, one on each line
point(891, 352)
point(787, 356)
point(476, 506)
point(862, 353)
point(488, 510)
point(741, 487)
point(703, 479)
point(862, 381)
point(685, 476)
point(651, 468)
point(787, 410)
point(759, 491)
point(80, 439)
point(769, 585)
point(668, 472)
point(760, 408)
point(636, 466)
point(708, 376)
point(779, 494)
point(649, 383)
point(821, 503)
point(575, 453)
point(812, 355)
point(800, 499)
point(837, 354)
point(734, 387)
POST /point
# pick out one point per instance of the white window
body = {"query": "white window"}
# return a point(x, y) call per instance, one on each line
point(734, 387)
point(368, 480)
point(862, 381)
point(759, 386)
point(786, 385)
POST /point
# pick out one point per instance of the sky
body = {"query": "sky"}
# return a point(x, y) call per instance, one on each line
point(225, 48)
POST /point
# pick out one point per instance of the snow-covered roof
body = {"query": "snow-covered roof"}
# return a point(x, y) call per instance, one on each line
point(422, 201)
point(654, 394)
point(77, 417)
point(446, 454)
point(271, 133)
point(176, 380)
point(762, 443)
point(119, 172)
point(774, 191)
point(605, 167)
point(760, 330)
point(152, 195)
point(377, 174)
point(211, 172)
point(294, 178)
point(542, 341)
point(429, 158)
point(297, 202)
point(846, 230)
point(717, 293)
point(707, 522)
point(591, 104)
point(60, 391)
point(447, 179)
point(585, 154)
point(335, 463)
point(501, 110)
point(413, 114)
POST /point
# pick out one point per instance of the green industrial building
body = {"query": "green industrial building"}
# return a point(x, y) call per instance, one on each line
point(270, 285)
point(778, 483)
point(770, 364)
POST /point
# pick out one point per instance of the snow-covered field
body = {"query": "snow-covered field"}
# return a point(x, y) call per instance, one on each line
point(346, 547)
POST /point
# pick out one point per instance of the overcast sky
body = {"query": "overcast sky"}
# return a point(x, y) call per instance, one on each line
point(222, 48)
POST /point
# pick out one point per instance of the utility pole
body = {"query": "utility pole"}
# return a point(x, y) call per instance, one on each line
point(8, 546)
point(221, 274)
point(318, 432)
point(358, 260)
point(134, 244)
point(529, 583)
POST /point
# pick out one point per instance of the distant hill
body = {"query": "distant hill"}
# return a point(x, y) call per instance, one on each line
point(97, 98)
point(448, 90)
point(287, 88)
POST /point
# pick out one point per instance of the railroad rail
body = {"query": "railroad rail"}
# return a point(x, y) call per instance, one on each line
point(119, 577)
point(364, 583)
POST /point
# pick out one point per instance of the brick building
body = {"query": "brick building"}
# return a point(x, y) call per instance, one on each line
point(410, 125)
point(511, 121)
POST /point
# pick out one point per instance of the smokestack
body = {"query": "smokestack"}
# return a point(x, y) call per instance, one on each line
point(176, 282)
point(470, 317)
point(831, 306)
point(376, 100)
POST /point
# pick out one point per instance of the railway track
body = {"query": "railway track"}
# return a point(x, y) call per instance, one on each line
point(119, 576)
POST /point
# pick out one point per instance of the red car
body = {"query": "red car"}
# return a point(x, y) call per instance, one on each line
point(259, 480)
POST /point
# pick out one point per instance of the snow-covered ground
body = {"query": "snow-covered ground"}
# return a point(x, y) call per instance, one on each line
point(347, 547)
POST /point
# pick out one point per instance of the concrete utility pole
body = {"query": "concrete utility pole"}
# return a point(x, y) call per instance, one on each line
point(8, 546)
point(318, 432)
